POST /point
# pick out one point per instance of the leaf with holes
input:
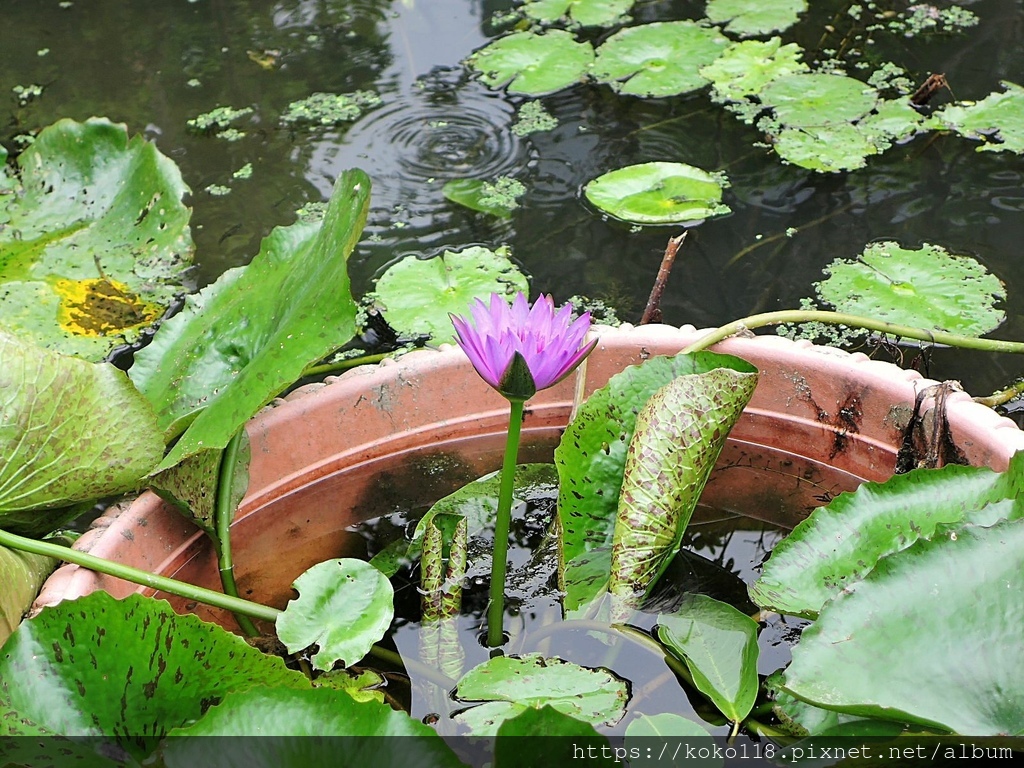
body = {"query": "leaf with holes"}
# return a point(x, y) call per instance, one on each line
point(997, 120)
point(94, 238)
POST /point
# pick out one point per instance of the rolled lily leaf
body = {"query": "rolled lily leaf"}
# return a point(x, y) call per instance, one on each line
point(22, 574)
point(442, 569)
point(679, 435)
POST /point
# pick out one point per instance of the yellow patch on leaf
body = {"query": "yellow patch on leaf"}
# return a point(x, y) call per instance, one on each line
point(100, 307)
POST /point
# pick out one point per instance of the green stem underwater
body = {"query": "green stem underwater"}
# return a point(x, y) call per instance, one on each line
point(853, 321)
point(502, 525)
point(223, 514)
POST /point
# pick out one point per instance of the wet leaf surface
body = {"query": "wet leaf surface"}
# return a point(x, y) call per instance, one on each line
point(659, 193)
point(749, 18)
point(94, 238)
point(533, 63)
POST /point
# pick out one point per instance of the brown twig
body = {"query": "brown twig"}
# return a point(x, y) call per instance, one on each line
point(652, 312)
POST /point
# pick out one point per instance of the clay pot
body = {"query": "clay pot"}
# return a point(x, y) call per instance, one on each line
point(821, 421)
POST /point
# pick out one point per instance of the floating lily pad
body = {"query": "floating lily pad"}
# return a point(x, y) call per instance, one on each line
point(344, 607)
point(926, 288)
point(71, 431)
point(815, 99)
point(719, 646)
point(659, 193)
point(745, 68)
point(94, 238)
point(748, 18)
point(830, 147)
point(533, 63)
point(498, 198)
point(417, 294)
point(589, 13)
point(930, 636)
point(511, 685)
point(997, 120)
point(658, 59)
point(511, 750)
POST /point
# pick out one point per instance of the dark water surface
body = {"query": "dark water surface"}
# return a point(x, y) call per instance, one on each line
point(155, 65)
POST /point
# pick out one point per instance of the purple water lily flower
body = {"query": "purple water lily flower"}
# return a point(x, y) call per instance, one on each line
point(519, 350)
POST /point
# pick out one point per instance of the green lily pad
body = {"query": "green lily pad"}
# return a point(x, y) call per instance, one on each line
point(659, 193)
point(22, 574)
point(678, 436)
point(590, 459)
point(511, 685)
point(94, 238)
point(129, 669)
point(815, 99)
point(997, 120)
point(417, 294)
point(829, 147)
point(533, 63)
point(749, 18)
point(344, 607)
point(241, 341)
point(658, 59)
point(719, 646)
point(745, 68)
point(72, 431)
point(930, 636)
point(589, 13)
point(498, 198)
point(291, 726)
point(926, 287)
point(838, 544)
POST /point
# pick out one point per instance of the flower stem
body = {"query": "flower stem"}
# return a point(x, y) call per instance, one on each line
point(126, 572)
point(853, 321)
point(223, 514)
point(499, 557)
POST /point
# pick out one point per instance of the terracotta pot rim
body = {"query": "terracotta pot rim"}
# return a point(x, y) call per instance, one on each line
point(369, 392)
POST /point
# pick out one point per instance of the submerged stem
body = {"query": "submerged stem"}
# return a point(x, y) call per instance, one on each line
point(853, 321)
point(499, 557)
point(223, 514)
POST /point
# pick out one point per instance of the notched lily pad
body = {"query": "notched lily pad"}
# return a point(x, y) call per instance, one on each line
point(659, 193)
point(533, 63)
point(589, 13)
point(658, 59)
point(745, 68)
point(416, 295)
point(344, 607)
point(94, 238)
point(511, 685)
point(748, 18)
point(927, 287)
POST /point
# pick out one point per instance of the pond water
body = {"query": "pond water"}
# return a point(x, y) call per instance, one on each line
point(156, 65)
